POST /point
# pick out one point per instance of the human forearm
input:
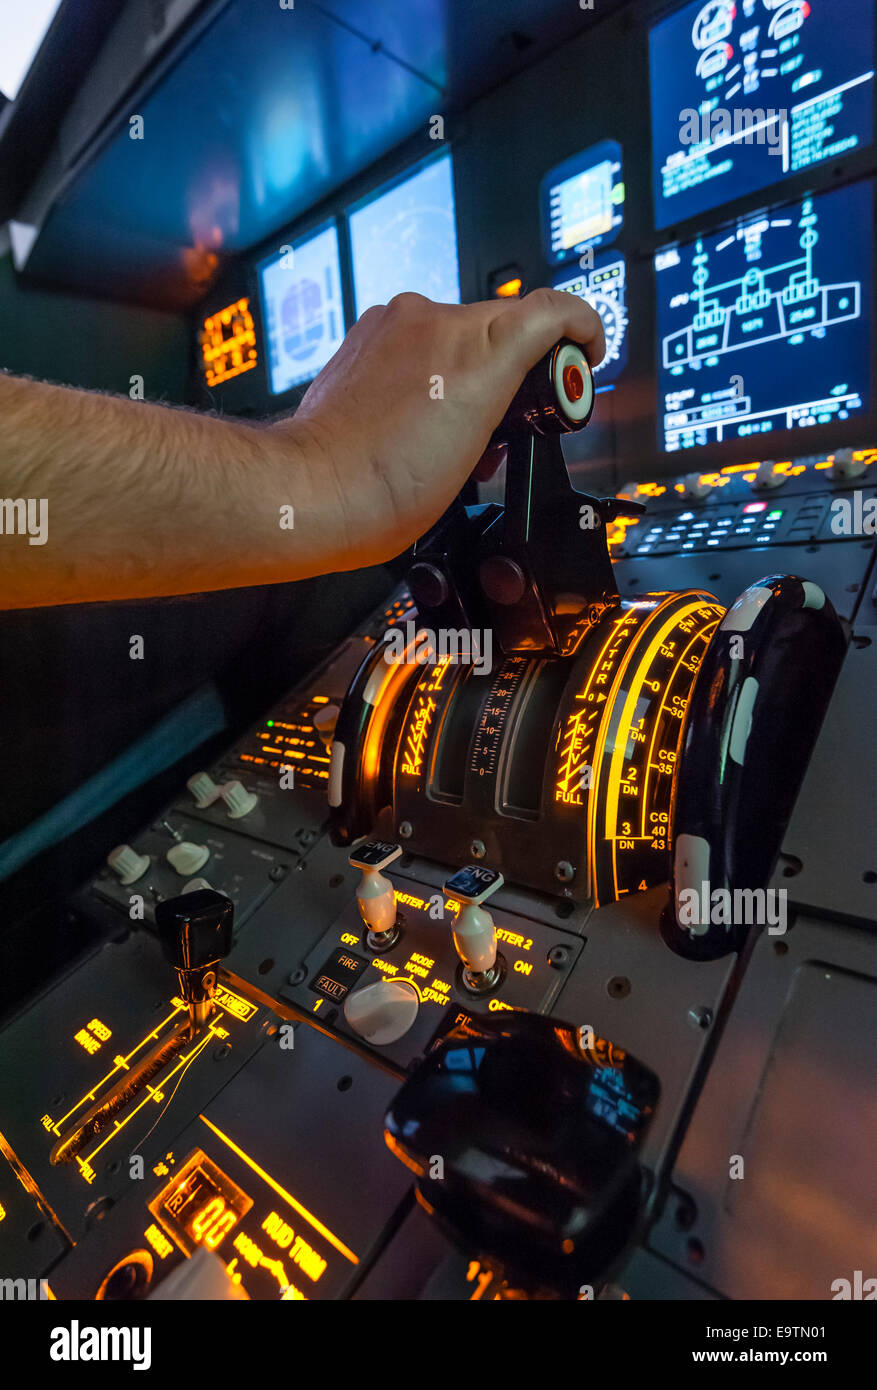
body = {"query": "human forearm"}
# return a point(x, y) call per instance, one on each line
point(141, 500)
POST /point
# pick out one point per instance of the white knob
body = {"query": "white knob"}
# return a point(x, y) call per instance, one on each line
point(845, 466)
point(765, 477)
point(383, 1012)
point(195, 885)
point(202, 1277)
point(693, 485)
point(187, 858)
point(203, 788)
point(127, 863)
point(475, 938)
point(238, 801)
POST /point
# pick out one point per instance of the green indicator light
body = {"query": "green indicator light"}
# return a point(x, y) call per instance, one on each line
point(774, 516)
point(270, 723)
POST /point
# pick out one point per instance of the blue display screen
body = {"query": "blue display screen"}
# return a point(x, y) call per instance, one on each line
point(582, 202)
point(406, 239)
point(746, 92)
point(766, 326)
point(603, 286)
point(302, 309)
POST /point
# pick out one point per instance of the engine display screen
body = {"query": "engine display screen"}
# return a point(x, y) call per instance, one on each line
point(582, 202)
point(766, 325)
point(405, 239)
point(302, 309)
point(746, 92)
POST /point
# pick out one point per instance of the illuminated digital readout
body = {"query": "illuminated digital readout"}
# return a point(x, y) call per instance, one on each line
point(200, 1205)
point(291, 741)
point(228, 343)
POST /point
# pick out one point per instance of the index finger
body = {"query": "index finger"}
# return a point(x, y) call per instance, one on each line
point(529, 327)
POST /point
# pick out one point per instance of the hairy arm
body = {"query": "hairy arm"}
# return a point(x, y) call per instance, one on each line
point(140, 500)
point(133, 500)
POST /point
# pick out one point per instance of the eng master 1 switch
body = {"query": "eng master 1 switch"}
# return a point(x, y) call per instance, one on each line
point(375, 895)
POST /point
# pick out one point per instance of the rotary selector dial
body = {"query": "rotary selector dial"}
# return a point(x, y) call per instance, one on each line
point(127, 863)
point(382, 1013)
point(187, 858)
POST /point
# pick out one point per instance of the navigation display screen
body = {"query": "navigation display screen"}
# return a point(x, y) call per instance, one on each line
point(406, 239)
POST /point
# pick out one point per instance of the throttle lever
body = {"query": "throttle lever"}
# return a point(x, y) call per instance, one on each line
point(537, 571)
point(614, 507)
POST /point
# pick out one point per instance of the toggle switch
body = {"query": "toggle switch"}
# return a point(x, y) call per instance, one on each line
point(238, 801)
point(375, 894)
point(203, 788)
point(474, 931)
point(187, 858)
point(127, 863)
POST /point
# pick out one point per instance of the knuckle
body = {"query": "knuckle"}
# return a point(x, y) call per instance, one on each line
point(372, 315)
point(541, 299)
point(406, 302)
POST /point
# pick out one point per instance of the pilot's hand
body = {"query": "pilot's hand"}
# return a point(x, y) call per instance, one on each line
point(404, 411)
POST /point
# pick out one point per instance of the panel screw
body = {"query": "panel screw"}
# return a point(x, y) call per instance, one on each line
point(406, 830)
point(298, 976)
point(477, 850)
point(699, 1017)
point(564, 871)
point(559, 956)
